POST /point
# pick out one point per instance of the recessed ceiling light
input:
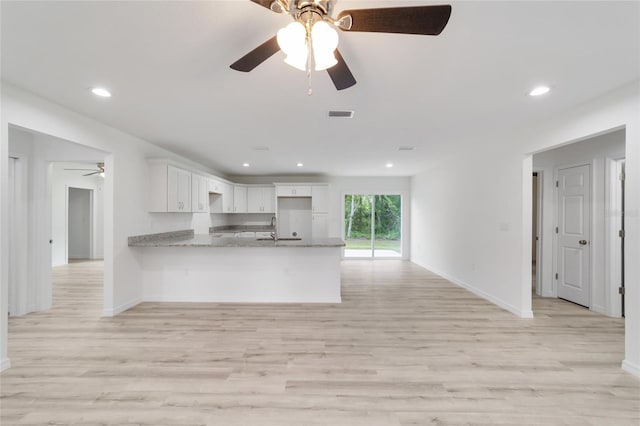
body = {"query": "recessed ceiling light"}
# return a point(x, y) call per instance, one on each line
point(540, 90)
point(389, 165)
point(299, 165)
point(245, 164)
point(101, 91)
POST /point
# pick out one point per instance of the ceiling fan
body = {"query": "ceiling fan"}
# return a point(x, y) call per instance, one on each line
point(99, 170)
point(312, 33)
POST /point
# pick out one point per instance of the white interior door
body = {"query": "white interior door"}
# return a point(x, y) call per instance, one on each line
point(574, 226)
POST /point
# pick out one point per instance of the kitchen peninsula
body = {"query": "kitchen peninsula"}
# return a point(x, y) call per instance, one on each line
point(183, 267)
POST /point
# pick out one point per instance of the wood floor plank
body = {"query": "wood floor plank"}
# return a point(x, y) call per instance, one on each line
point(405, 347)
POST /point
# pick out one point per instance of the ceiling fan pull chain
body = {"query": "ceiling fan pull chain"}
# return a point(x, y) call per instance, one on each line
point(309, 46)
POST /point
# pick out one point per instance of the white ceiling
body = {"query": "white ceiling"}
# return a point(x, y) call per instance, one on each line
point(167, 65)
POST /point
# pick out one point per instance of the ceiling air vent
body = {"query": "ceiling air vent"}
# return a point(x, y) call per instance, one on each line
point(260, 148)
point(406, 148)
point(342, 114)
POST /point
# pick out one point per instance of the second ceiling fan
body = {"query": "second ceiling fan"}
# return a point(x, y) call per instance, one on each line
point(312, 33)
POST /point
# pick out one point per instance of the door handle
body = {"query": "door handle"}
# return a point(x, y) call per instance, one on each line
point(582, 242)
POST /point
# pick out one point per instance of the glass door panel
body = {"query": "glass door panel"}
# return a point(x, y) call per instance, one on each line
point(358, 225)
point(387, 226)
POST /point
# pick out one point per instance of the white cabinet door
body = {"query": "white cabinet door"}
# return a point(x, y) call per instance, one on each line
point(293, 191)
point(254, 199)
point(227, 198)
point(269, 199)
point(320, 199)
point(239, 199)
point(199, 194)
point(178, 190)
point(320, 225)
point(261, 199)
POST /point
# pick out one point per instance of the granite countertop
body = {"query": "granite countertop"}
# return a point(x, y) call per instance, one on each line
point(189, 239)
point(232, 229)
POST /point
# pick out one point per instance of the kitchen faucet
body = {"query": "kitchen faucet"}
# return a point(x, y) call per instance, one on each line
point(274, 234)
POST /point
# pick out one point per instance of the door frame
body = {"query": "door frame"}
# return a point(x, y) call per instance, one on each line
point(539, 228)
point(556, 207)
point(91, 220)
point(614, 272)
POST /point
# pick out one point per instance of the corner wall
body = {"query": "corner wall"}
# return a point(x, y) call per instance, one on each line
point(471, 213)
point(125, 189)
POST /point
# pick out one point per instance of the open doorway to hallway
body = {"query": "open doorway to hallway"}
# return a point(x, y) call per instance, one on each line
point(579, 213)
point(57, 212)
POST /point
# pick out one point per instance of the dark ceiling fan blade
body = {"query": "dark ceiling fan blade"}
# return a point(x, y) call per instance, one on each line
point(257, 56)
point(341, 74)
point(94, 173)
point(264, 3)
point(425, 20)
point(86, 170)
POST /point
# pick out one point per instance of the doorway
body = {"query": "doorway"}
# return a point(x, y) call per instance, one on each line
point(373, 226)
point(535, 202)
point(80, 223)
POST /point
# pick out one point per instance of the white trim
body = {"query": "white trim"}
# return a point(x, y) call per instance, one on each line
point(631, 368)
point(480, 293)
point(5, 364)
point(119, 309)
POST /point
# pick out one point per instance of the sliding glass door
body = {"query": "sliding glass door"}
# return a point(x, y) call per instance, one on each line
point(372, 225)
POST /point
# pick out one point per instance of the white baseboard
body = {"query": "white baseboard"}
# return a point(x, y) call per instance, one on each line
point(4, 364)
point(481, 293)
point(119, 309)
point(600, 309)
point(631, 368)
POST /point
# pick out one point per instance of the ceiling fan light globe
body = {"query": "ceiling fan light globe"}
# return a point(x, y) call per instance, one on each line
point(324, 61)
point(325, 42)
point(291, 38)
point(297, 59)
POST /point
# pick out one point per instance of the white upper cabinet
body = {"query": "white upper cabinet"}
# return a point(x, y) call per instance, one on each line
point(178, 190)
point(214, 186)
point(293, 191)
point(320, 199)
point(199, 194)
point(261, 199)
point(227, 197)
point(169, 188)
point(239, 199)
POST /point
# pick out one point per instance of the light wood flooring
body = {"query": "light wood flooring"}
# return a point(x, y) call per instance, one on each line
point(405, 347)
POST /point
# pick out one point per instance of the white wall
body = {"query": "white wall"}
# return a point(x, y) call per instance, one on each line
point(466, 222)
point(593, 151)
point(471, 213)
point(62, 180)
point(341, 185)
point(125, 189)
